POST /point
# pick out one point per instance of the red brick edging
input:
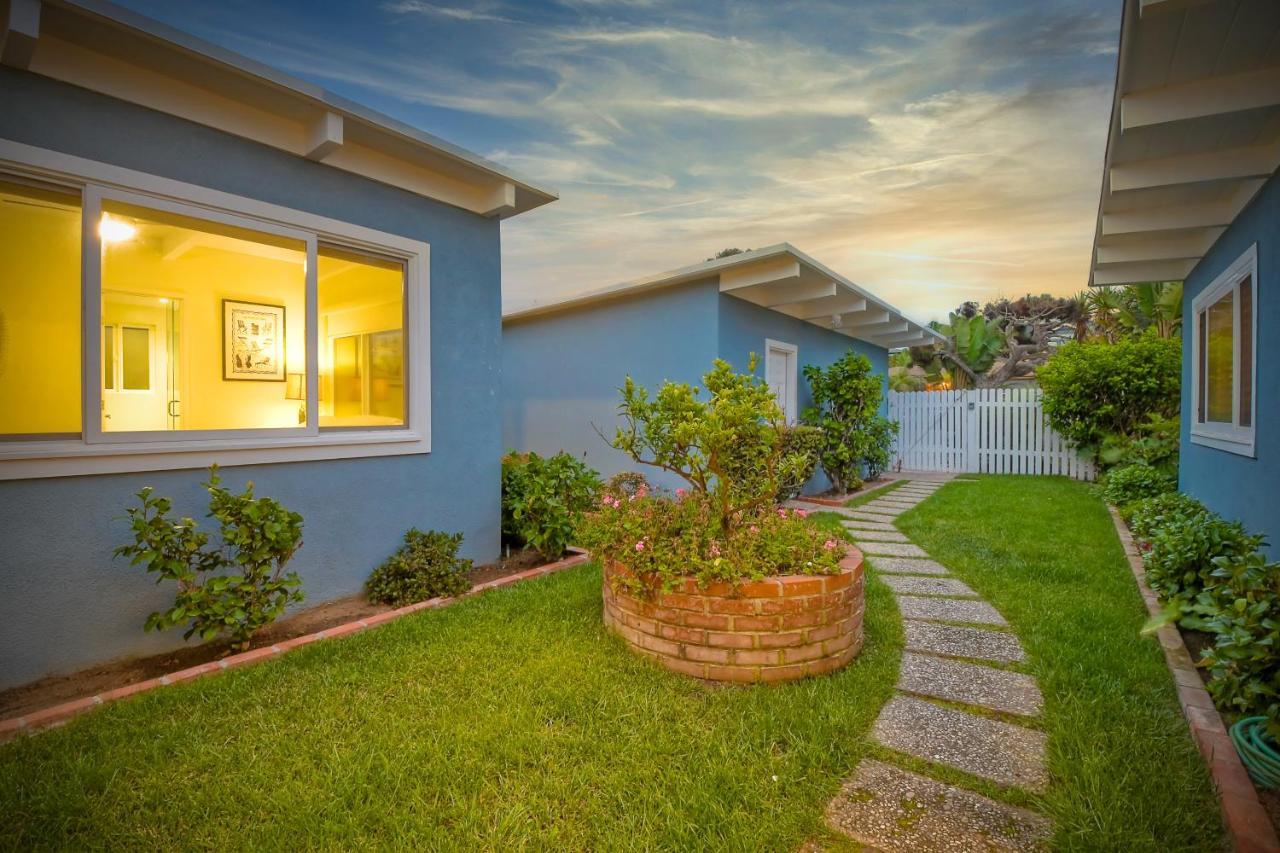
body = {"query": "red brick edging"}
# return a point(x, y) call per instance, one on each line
point(841, 500)
point(777, 629)
point(1247, 822)
point(56, 715)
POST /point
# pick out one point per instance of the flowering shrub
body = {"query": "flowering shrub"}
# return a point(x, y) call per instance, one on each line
point(663, 539)
point(725, 525)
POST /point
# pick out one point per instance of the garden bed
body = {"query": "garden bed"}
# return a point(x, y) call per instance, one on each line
point(776, 629)
point(829, 498)
point(92, 681)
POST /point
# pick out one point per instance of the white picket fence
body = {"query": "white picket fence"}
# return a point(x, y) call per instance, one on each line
point(987, 430)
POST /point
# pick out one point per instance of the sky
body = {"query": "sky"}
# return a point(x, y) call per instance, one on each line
point(933, 151)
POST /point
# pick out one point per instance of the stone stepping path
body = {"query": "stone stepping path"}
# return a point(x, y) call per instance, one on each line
point(956, 641)
point(889, 808)
point(997, 689)
point(913, 585)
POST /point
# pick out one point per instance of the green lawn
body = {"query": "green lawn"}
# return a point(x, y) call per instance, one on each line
point(1043, 550)
point(507, 721)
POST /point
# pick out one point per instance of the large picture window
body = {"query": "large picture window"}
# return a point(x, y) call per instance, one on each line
point(143, 329)
point(1223, 344)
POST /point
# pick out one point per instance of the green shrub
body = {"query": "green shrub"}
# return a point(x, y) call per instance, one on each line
point(846, 406)
point(624, 484)
point(1181, 551)
point(1154, 443)
point(426, 566)
point(1095, 389)
point(1148, 514)
point(258, 537)
point(1135, 482)
point(543, 499)
point(803, 443)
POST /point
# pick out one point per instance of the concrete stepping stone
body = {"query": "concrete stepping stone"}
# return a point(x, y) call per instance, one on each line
point(929, 586)
point(886, 808)
point(949, 610)
point(963, 642)
point(893, 549)
point(907, 566)
point(970, 683)
point(879, 536)
point(876, 508)
point(854, 524)
point(995, 750)
point(902, 505)
point(859, 515)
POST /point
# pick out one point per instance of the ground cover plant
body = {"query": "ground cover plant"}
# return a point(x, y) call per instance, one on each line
point(1126, 773)
point(231, 588)
point(424, 567)
point(508, 721)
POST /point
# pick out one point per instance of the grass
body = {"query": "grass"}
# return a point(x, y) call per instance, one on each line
point(1043, 550)
point(510, 721)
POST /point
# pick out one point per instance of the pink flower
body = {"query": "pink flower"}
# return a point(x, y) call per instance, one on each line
point(681, 493)
point(782, 513)
point(801, 513)
point(755, 529)
point(715, 550)
point(642, 492)
point(830, 544)
point(640, 545)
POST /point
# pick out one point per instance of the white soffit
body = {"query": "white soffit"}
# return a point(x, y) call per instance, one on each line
point(1195, 132)
point(780, 278)
point(111, 50)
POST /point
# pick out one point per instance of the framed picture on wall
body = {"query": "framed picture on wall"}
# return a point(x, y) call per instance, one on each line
point(253, 341)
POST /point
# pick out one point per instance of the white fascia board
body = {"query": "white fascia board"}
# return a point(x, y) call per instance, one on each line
point(771, 271)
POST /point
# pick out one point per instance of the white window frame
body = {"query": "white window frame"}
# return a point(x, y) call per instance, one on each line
point(793, 397)
point(1231, 437)
point(96, 452)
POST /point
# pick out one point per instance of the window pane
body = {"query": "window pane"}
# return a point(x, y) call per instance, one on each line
point(135, 355)
point(109, 357)
point(1246, 352)
point(1202, 333)
point(221, 361)
point(362, 340)
point(39, 311)
point(1219, 370)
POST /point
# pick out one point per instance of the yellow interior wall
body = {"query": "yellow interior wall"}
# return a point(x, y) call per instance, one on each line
point(201, 277)
point(354, 298)
point(39, 315)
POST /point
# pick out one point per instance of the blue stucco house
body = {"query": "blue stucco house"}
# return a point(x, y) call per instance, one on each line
point(1190, 192)
point(205, 260)
point(564, 361)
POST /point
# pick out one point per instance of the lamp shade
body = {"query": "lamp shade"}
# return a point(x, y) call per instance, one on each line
point(295, 386)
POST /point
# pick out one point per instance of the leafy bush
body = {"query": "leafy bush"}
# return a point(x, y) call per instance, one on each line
point(258, 537)
point(662, 540)
point(803, 443)
point(1135, 482)
point(725, 526)
point(1095, 389)
point(624, 484)
point(846, 406)
point(1179, 559)
point(1147, 515)
point(543, 499)
point(426, 566)
point(1154, 442)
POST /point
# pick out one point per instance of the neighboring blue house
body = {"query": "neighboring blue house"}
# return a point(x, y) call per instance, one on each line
point(1190, 192)
point(563, 363)
point(205, 260)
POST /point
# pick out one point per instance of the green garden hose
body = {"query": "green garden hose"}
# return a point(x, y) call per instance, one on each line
point(1257, 751)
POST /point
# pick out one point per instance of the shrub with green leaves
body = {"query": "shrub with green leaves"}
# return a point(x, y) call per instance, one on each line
point(1094, 389)
point(426, 566)
point(543, 499)
point(846, 407)
point(1135, 482)
point(1154, 442)
point(802, 446)
point(1147, 515)
point(232, 589)
point(1181, 551)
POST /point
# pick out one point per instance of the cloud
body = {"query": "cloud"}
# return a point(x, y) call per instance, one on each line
point(405, 7)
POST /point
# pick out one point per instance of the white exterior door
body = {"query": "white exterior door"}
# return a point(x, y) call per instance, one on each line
point(781, 372)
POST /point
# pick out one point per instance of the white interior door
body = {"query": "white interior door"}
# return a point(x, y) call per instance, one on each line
point(781, 373)
point(135, 363)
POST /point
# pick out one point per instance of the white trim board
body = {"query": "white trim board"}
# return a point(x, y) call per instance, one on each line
point(82, 455)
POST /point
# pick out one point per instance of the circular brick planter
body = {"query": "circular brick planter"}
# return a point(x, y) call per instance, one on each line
point(778, 629)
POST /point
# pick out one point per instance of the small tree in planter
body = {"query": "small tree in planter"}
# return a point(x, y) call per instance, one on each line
point(846, 399)
point(726, 525)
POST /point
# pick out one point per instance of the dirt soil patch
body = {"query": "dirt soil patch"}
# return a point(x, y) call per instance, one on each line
point(57, 689)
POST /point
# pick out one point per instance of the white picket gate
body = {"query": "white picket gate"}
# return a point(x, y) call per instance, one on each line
point(986, 430)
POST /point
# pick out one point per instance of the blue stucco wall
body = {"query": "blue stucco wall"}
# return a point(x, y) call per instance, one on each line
point(744, 328)
point(1236, 486)
point(561, 372)
point(63, 603)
